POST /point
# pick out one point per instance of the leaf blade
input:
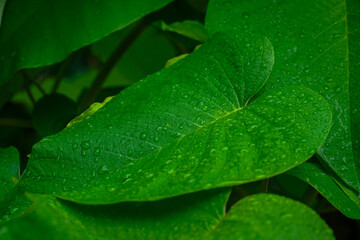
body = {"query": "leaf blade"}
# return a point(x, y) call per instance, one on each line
point(268, 216)
point(163, 137)
point(42, 31)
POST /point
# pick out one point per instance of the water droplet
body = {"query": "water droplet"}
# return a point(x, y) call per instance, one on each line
point(97, 151)
point(74, 146)
point(111, 189)
point(224, 149)
point(187, 175)
point(13, 210)
point(85, 144)
point(149, 175)
point(103, 169)
point(143, 136)
point(83, 153)
point(171, 171)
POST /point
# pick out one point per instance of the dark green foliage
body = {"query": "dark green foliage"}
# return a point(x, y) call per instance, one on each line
point(207, 121)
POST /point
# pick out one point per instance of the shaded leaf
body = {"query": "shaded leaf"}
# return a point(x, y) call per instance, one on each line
point(12, 203)
point(198, 131)
point(268, 216)
point(16, 206)
point(52, 113)
point(188, 28)
point(314, 174)
point(41, 32)
point(9, 171)
point(185, 217)
point(315, 44)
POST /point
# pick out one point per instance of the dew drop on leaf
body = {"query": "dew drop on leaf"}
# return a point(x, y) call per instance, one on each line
point(85, 144)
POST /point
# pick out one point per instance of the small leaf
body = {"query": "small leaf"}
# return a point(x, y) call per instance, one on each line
point(52, 112)
point(15, 207)
point(268, 216)
point(316, 44)
point(41, 32)
point(9, 170)
point(188, 28)
point(198, 131)
point(12, 203)
point(314, 174)
point(185, 217)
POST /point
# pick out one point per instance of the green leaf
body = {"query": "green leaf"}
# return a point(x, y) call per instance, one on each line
point(12, 203)
point(42, 32)
point(315, 44)
point(197, 131)
point(268, 216)
point(314, 174)
point(9, 171)
point(353, 13)
point(52, 113)
point(2, 6)
point(188, 28)
point(185, 217)
point(16, 206)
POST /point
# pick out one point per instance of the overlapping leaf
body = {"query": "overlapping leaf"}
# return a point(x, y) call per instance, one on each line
point(195, 216)
point(185, 217)
point(187, 128)
point(267, 216)
point(42, 32)
point(314, 174)
point(11, 202)
point(9, 170)
point(316, 44)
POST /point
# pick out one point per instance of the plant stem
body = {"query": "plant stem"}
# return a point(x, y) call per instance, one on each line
point(16, 122)
point(309, 196)
point(29, 79)
point(265, 185)
point(28, 91)
point(62, 71)
point(110, 63)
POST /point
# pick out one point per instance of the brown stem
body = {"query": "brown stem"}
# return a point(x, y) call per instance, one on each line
point(27, 89)
point(309, 196)
point(13, 122)
point(265, 185)
point(29, 80)
point(110, 63)
point(62, 71)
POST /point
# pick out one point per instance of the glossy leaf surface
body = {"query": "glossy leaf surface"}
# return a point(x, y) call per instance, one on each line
point(267, 216)
point(315, 44)
point(185, 217)
point(42, 32)
point(12, 203)
point(198, 131)
point(314, 174)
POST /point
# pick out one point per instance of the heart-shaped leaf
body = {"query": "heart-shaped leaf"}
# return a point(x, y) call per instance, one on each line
point(316, 44)
point(268, 216)
point(41, 32)
point(187, 128)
